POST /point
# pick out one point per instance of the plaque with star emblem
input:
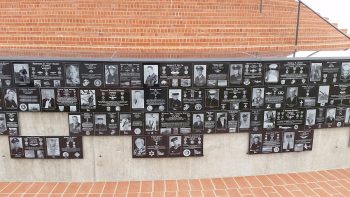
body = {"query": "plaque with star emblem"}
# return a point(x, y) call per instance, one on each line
point(272, 73)
point(271, 142)
point(307, 96)
point(175, 123)
point(235, 98)
point(303, 140)
point(9, 123)
point(67, 99)
point(290, 119)
point(34, 147)
point(130, 74)
point(29, 99)
point(192, 145)
point(47, 74)
point(6, 74)
point(339, 95)
point(113, 100)
point(175, 75)
point(209, 122)
point(91, 74)
point(232, 121)
point(192, 99)
point(156, 146)
point(294, 72)
point(274, 96)
point(217, 74)
point(253, 74)
point(156, 99)
point(88, 100)
point(139, 147)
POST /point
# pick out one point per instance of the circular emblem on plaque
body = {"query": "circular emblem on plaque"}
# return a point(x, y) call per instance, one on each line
point(137, 131)
point(187, 152)
point(276, 149)
point(23, 107)
point(338, 124)
point(161, 108)
point(198, 106)
point(97, 82)
point(149, 108)
point(65, 155)
point(77, 154)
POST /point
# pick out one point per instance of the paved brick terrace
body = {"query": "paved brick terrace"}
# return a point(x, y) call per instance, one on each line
point(320, 183)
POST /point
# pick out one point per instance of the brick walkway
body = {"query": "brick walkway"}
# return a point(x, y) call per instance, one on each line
point(320, 183)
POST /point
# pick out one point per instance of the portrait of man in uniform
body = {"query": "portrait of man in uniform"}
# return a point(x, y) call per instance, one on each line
point(100, 124)
point(244, 120)
point(272, 74)
point(345, 71)
point(74, 124)
point(175, 99)
point(255, 143)
point(315, 72)
point(3, 126)
point(330, 116)
point(212, 99)
point(198, 121)
point(16, 146)
point(175, 145)
point(258, 97)
point(236, 73)
point(111, 74)
point(199, 75)
point(138, 101)
point(221, 121)
point(140, 148)
point(292, 96)
point(150, 75)
point(310, 117)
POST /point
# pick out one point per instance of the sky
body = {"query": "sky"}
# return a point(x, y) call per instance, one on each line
point(336, 10)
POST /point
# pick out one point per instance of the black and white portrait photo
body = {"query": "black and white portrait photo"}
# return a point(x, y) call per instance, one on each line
point(199, 75)
point(255, 143)
point(258, 97)
point(175, 145)
point(288, 141)
point(125, 123)
point(315, 72)
point(221, 120)
point(88, 99)
point(347, 116)
point(292, 97)
point(175, 101)
point(330, 115)
point(212, 98)
point(72, 75)
point(310, 118)
point(345, 71)
point(53, 147)
point(269, 119)
point(16, 147)
point(21, 71)
point(139, 147)
point(10, 99)
point(244, 120)
point(152, 121)
point(111, 74)
point(48, 99)
point(3, 126)
point(198, 121)
point(272, 74)
point(236, 73)
point(150, 75)
point(100, 126)
point(137, 99)
point(323, 95)
point(74, 124)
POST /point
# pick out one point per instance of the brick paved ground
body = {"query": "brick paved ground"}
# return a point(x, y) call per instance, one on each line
point(321, 183)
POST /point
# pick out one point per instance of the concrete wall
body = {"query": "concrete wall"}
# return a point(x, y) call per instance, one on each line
point(109, 158)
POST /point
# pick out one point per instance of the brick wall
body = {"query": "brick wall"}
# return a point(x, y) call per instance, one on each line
point(159, 28)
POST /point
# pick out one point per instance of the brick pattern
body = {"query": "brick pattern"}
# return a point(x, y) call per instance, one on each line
point(320, 183)
point(159, 28)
